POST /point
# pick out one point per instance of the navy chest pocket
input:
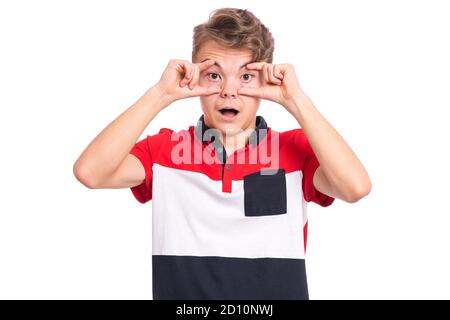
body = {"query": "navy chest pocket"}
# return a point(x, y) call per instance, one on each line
point(265, 194)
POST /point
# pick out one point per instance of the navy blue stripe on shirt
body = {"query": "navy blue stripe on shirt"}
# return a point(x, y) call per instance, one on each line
point(222, 278)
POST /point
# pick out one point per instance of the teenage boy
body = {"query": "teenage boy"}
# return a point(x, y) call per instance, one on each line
point(230, 193)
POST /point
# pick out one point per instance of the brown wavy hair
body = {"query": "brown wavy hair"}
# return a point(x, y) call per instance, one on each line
point(238, 29)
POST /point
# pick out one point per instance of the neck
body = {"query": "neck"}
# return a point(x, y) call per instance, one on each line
point(237, 141)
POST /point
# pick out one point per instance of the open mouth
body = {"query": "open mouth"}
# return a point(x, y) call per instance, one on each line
point(228, 112)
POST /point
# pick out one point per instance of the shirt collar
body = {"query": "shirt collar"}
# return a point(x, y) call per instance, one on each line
point(203, 131)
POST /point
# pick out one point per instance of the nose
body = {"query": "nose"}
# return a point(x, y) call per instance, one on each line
point(229, 89)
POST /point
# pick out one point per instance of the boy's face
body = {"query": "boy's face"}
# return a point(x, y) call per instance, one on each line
point(229, 73)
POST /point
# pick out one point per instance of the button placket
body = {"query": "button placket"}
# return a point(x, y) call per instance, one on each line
point(227, 178)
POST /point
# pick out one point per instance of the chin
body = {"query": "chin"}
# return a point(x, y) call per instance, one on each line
point(230, 129)
point(228, 125)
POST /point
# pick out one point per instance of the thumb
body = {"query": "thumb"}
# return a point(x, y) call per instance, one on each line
point(254, 92)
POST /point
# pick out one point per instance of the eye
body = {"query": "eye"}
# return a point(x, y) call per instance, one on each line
point(247, 78)
point(212, 75)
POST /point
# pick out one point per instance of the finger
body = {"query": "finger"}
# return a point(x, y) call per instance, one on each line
point(187, 75)
point(272, 77)
point(255, 65)
point(187, 67)
point(205, 91)
point(206, 64)
point(254, 92)
point(195, 77)
point(277, 72)
point(266, 73)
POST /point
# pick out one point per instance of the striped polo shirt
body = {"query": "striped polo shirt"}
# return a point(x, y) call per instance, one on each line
point(228, 226)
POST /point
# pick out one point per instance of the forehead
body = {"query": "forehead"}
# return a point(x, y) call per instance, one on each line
point(223, 55)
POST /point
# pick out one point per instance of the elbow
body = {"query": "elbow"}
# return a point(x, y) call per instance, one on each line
point(360, 191)
point(83, 175)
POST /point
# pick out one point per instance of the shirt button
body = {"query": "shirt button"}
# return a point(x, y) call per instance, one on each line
point(228, 167)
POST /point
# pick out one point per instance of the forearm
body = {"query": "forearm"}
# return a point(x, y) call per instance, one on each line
point(110, 147)
point(338, 162)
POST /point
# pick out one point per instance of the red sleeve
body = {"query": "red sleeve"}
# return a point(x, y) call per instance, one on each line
point(146, 151)
point(310, 164)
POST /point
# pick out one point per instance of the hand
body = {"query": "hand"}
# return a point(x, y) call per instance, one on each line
point(278, 83)
point(180, 80)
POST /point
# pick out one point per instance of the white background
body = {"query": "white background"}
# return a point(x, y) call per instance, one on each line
point(379, 71)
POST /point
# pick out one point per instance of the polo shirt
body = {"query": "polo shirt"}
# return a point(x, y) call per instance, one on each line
point(228, 226)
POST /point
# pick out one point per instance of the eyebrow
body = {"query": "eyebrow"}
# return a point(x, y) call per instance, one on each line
point(217, 64)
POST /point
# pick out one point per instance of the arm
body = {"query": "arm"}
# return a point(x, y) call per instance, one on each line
point(340, 174)
point(104, 155)
point(106, 162)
